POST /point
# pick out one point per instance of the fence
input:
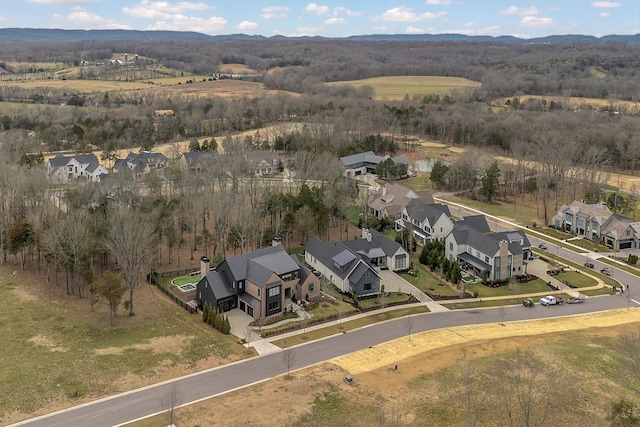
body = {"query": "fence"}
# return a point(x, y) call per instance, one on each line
point(153, 279)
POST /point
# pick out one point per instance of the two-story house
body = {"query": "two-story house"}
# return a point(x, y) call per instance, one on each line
point(197, 161)
point(258, 283)
point(62, 169)
point(596, 222)
point(426, 221)
point(494, 257)
point(393, 198)
point(141, 163)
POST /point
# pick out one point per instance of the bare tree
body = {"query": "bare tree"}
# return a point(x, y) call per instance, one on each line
point(630, 375)
point(128, 241)
point(408, 326)
point(288, 359)
point(170, 403)
point(476, 391)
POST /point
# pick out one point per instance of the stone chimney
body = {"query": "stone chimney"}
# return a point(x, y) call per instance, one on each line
point(126, 57)
point(366, 234)
point(276, 241)
point(384, 190)
point(504, 255)
point(205, 265)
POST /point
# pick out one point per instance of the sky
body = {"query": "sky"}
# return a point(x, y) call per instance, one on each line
point(340, 18)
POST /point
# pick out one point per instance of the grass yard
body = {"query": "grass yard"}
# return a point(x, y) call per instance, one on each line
point(392, 298)
point(397, 87)
point(520, 213)
point(183, 280)
point(346, 325)
point(428, 282)
point(71, 347)
point(537, 285)
point(576, 279)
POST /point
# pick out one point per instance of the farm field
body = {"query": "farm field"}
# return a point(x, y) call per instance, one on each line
point(397, 87)
point(577, 102)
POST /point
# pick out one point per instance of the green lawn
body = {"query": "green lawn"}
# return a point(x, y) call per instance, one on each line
point(348, 325)
point(394, 297)
point(428, 282)
point(183, 280)
point(520, 214)
point(576, 279)
point(534, 286)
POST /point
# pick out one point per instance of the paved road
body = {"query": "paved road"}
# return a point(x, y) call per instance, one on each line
point(139, 403)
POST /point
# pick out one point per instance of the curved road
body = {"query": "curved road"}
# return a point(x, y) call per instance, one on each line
point(129, 406)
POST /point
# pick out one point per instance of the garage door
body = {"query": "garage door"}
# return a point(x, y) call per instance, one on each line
point(625, 245)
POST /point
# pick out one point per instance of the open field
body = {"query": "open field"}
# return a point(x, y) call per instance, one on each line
point(55, 345)
point(578, 103)
point(397, 87)
point(235, 69)
point(426, 388)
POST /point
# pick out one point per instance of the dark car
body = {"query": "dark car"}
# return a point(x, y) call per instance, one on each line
point(542, 246)
point(588, 264)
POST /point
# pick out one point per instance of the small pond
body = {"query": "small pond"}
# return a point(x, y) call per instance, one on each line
point(426, 164)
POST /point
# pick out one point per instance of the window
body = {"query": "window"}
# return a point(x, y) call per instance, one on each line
point(367, 286)
point(274, 305)
point(450, 246)
point(272, 292)
point(486, 259)
point(311, 287)
point(628, 233)
point(258, 291)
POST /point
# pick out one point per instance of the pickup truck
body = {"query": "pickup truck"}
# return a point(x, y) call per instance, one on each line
point(606, 271)
point(551, 300)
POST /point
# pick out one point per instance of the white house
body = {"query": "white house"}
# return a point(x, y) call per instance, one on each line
point(426, 221)
point(62, 169)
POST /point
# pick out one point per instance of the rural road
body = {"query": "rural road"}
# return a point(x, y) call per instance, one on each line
point(123, 408)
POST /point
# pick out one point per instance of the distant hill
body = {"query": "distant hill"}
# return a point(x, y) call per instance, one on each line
point(39, 35)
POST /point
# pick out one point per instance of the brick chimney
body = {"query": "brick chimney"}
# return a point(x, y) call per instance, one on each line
point(205, 265)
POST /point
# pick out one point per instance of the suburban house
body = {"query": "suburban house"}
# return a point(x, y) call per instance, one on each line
point(141, 163)
point(364, 163)
point(494, 257)
point(197, 161)
point(392, 200)
point(350, 265)
point(427, 221)
point(62, 169)
point(258, 282)
point(264, 162)
point(620, 232)
point(596, 222)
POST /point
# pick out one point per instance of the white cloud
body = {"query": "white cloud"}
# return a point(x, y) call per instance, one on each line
point(414, 30)
point(275, 12)
point(438, 1)
point(247, 26)
point(606, 4)
point(346, 10)
point(308, 31)
point(404, 14)
point(58, 1)
point(486, 31)
point(318, 10)
point(468, 25)
point(88, 20)
point(335, 21)
point(604, 14)
point(514, 10)
point(535, 22)
point(162, 10)
point(212, 25)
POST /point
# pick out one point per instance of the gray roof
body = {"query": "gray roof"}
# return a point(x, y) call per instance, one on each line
point(195, 157)
point(477, 222)
point(304, 272)
point(368, 157)
point(421, 211)
point(259, 265)
point(489, 243)
point(378, 241)
point(343, 258)
point(62, 160)
point(247, 297)
point(326, 252)
point(478, 263)
point(219, 284)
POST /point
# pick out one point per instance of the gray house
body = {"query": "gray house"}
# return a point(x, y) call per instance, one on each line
point(351, 265)
point(426, 221)
point(491, 256)
point(258, 283)
point(363, 163)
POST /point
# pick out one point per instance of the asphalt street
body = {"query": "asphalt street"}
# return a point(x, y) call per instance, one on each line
point(123, 408)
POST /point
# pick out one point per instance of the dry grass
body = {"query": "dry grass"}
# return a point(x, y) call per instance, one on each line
point(397, 87)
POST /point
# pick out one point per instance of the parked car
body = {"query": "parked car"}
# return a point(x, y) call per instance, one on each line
point(551, 300)
point(575, 300)
point(606, 271)
point(542, 246)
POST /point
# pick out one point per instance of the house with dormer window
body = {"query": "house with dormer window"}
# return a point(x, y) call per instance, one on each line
point(258, 283)
point(62, 169)
point(426, 221)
